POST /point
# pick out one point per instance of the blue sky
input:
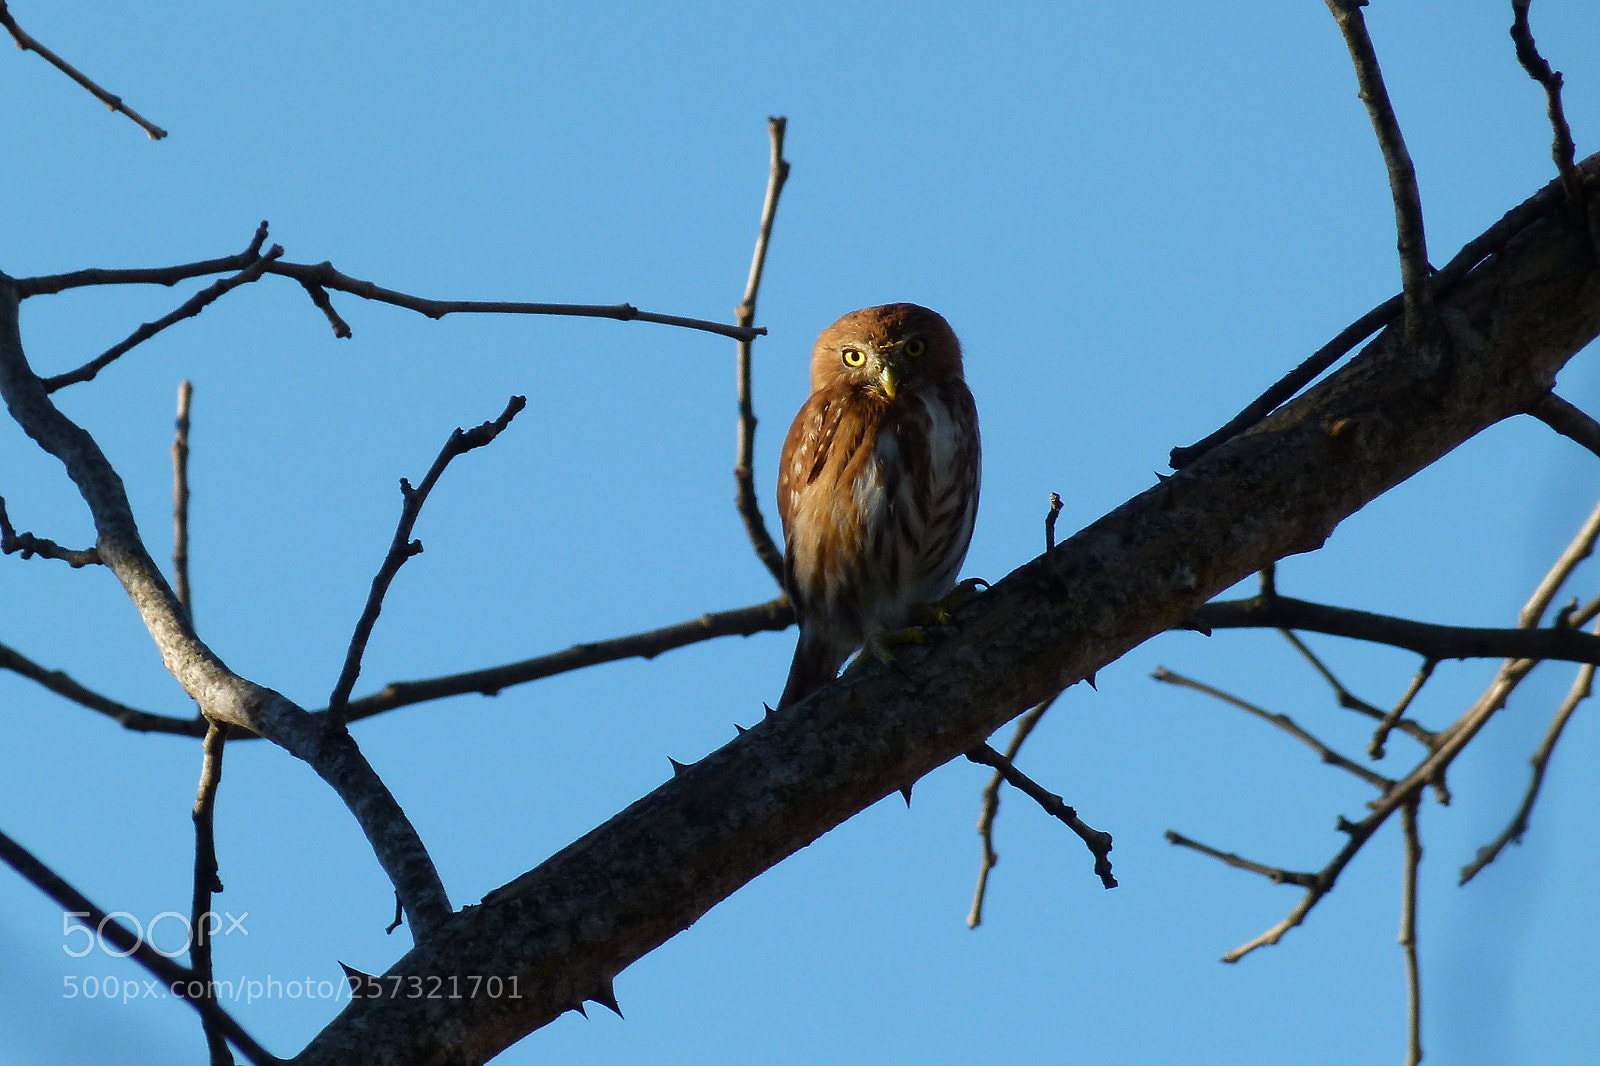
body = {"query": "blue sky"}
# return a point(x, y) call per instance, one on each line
point(1135, 216)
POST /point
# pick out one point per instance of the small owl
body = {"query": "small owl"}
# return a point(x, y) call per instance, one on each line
point(877, 485)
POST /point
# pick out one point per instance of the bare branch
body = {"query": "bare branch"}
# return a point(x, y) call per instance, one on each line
point(50, 284)
point(743, 471)
point(1567, 420)
point(1582, 687)
point(1050, 517)
point(29, 545)
point(180, 501)
point(1283, 722)
point(1427, 639)
point(991, 808)
point(1276, 874)
point(1408, 930)
point(206, 882)
point(1411, 241)
point(1579, 549)
point(175, 977)
point(319, 296)
point(1380, 736)
point(223, 695)
point(402, 547)
point(130, 717)
point(189, 308)
point(28, 44)
point(1561, 149)
point(1098, 843)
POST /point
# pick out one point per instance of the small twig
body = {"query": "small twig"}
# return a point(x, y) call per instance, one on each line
point(1562, 149)
point(1347, 699)
point(1380, 736)
point(1099, 843)
point(743, 471)
point(1567, 420)
point(1269, 582)
point(319, 296)
point(403, 548)
point(1408, 929)
point(28, 44)
point(1050, 521)
point(206, 882)
point(176, 977)
point(1411, 240)
point(1283, 722)
point(991, 807)
point(1276, 874)
point(1582, 687)
point(1579, 549)
point(188, 309)
point(130, 717)
point(29, 545)
point(180, 501)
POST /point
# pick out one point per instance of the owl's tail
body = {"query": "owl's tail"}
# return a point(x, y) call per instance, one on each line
point(816, 662)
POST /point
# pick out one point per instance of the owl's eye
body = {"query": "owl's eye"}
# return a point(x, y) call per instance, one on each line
point(854, 357)
point(916, 346)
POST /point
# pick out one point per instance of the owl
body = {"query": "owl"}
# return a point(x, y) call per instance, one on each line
point(877, 484)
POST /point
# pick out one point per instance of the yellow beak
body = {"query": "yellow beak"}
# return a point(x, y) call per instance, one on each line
point(889, 379)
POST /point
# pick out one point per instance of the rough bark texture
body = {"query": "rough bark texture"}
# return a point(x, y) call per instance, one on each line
point(565, 928)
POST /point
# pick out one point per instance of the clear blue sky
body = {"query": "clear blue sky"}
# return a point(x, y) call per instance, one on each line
point(1135, 216)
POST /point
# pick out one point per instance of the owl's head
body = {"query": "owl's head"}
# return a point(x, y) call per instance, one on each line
point(893, 349)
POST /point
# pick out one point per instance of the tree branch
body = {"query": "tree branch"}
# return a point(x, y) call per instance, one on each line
point(402, 547)
point(180, 501)
point(1411, 240)
point(1567, 420)
point(1425, 638)
point(1408, 929)
point(28, 44)
point(567, 927)
point(29, 545)
point(222, 695)
point(1561, 148)
point(1098, 843)
point(176, 977)
point(206, 882)
point(188, 309)
point(743, 471)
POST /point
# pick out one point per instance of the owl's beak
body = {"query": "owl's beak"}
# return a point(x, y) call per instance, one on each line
point(890, 378)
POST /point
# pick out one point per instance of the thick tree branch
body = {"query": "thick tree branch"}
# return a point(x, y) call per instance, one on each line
point(223, 696)
point(569, 926)
point(743, 471)
point(1567, 420)
point(402, 547)
point(112, 101)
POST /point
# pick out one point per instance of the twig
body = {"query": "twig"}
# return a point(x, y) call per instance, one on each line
point(28, 44)
point(991, 807)
point(743, 471)
point(403, 547)
point(180, 501)
point(1276, 874)
point(1408, 929)
point(1567, 420)
point(29, 545)
point(176, 977)
point(319, 296)
point(1561, 149)
point(1579, 549)
point(1050, 521)
point(1411, 240)
point(188, 309)
point(1283, 722)
point(1582, 686)
point(1349, 700)
point(1099, 843)
point(206, 882)
point(1380, 736)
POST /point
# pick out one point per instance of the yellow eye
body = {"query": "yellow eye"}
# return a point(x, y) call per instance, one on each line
point(854, 357)
point(916, 346)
